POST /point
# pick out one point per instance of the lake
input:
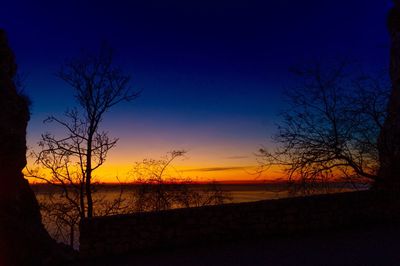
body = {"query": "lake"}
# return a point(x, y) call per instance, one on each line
point(61, 218)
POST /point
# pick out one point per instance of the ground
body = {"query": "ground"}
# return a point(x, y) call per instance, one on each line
point(374, 245)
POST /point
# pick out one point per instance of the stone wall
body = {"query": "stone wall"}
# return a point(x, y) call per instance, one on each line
point(147, 231)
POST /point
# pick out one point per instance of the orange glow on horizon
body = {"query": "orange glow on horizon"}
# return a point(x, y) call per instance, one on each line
point(114, 173)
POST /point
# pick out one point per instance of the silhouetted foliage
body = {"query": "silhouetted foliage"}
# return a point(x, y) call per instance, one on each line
point(330, 130)
point(160, 187)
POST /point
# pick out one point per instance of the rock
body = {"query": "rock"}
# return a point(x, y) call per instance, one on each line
point(23, 238)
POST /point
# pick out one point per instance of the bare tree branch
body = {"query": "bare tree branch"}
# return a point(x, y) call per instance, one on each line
point(331, 127)
point(69, 161)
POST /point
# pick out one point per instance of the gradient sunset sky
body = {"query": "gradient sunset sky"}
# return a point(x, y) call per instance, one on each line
point(212, 72)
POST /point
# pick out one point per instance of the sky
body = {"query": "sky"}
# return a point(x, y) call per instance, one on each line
point(212, 73)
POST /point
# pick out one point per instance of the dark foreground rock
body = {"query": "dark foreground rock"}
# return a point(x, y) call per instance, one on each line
point(23, 238)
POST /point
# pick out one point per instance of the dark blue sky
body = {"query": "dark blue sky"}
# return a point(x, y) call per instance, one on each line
point(212, 72)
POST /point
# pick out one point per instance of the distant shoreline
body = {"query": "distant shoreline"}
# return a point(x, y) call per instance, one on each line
point(272, 186)
point(279, 182)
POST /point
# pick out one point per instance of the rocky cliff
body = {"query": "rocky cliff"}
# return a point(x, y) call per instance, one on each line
point(23, 239)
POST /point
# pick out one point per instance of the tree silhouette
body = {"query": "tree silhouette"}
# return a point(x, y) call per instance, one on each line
point(70, 160)
point(331, 127)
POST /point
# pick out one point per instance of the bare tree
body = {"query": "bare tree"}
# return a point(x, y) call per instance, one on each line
point(331, 127)
point(98, 86)
point(69, 161)
point(159, 186)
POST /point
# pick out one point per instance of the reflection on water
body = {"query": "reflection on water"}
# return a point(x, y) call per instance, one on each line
point(237, 193)
point(248, 196)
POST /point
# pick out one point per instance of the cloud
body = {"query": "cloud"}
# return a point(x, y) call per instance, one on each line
point(237, 157)
point(217, 169)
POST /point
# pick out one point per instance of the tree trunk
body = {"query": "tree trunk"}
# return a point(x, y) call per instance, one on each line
point(389, 139)
point(89, 175)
